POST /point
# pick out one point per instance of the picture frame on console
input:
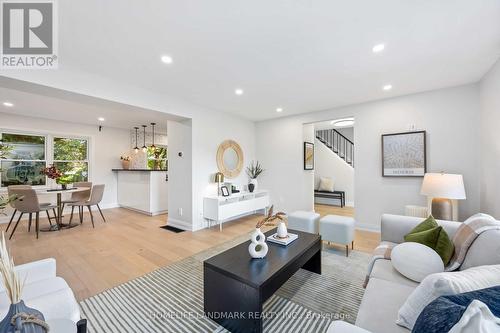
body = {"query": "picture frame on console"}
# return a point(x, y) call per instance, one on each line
point(225, 191)
point(404, 154)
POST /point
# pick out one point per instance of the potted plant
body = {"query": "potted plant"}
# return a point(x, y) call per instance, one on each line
point(4, 201)
point(125, 162)
point(53, 173)
point(253, 171)
point(19, 318)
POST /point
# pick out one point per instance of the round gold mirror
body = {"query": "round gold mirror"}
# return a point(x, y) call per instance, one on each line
point(230, 158)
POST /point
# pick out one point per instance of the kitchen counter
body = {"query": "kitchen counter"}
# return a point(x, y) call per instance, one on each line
point(144, 191)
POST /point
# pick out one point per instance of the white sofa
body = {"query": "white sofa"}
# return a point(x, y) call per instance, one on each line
point(388, 290)
point(44, 291)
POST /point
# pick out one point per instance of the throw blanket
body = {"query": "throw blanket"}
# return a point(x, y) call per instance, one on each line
point(467, 234)
point(463, 239)
point(383, 251)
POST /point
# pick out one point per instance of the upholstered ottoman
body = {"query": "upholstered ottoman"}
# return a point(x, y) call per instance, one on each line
point(304, 221)
point(337, 229)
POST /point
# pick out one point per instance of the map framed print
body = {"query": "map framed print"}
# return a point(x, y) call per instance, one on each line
point(404, 154)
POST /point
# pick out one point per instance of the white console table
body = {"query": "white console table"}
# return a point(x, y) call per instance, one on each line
point(221, 209)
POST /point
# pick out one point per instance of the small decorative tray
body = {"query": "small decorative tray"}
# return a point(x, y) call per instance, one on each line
point(282, 241)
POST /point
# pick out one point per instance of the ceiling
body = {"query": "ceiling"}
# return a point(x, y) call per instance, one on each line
point(301, 56)
point(61, 105)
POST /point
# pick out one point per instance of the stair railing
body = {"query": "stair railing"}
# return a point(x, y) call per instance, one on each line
point(337, 143)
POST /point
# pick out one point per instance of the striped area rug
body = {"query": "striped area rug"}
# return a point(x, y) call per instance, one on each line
point(170, 299)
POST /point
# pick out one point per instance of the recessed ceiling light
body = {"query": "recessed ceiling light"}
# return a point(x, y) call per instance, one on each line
point(167, 59)
point(101, 119)
point(387, 87)
point(279, 110)
point(378, 48)
point(238, 91)
point(8, 104)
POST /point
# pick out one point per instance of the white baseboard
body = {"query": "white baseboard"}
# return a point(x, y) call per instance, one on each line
point(184, 225)
point(368, 227)
point(143, 211)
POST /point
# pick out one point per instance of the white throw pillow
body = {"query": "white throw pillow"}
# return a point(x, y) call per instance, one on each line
point(325, 184)
point(446, 283)
point(416, 261)
point(477, 318)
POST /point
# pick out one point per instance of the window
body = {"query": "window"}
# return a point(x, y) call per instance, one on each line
point(157, 158)
point(28, 154)
point(24, 160)
point(71, 158)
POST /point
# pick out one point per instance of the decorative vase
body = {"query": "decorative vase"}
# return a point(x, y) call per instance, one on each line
point(282, 231)
point(251, 187)
point(255, 183)
point(64, 186)
point(125, 164)
point(258, 247)
point(27, 320)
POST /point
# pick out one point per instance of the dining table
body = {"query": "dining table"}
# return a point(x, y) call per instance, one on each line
point(59, 206)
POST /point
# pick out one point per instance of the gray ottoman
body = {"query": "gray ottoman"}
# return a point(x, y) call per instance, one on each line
point(337, 229)
point(304, 221)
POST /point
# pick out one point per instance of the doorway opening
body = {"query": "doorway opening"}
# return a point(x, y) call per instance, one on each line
point(334, 163)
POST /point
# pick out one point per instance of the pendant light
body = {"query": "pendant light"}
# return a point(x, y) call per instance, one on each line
point(153, 126)
point(144, 148)
point(136, 149)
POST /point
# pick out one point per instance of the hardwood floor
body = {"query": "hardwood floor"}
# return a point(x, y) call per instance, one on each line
point(130, 245)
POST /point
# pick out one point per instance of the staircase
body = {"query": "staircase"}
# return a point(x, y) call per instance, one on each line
point(337, 143)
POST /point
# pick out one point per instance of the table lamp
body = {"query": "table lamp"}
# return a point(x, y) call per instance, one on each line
point(219, 178)
point(443, 188)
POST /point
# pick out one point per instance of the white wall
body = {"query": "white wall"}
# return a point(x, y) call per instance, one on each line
point(329, 164)
point(105, 147)
point(210, 130)
point(448, 115)
point(348, 132)
point(490, 142)
point(181, 169)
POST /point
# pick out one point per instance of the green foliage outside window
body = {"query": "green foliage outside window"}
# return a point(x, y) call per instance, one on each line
point(24, 147)
point(70, 157)
point(67, 149)
point(157, 158)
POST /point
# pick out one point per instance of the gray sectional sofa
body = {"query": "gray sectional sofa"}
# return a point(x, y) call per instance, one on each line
point(388, 290)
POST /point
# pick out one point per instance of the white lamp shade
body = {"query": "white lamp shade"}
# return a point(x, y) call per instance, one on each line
point(443, 185)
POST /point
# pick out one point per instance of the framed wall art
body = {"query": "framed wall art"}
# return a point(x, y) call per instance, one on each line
point(308, 156)
point(404, 154)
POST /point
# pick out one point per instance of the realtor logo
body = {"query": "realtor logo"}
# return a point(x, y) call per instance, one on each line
point(29, 32)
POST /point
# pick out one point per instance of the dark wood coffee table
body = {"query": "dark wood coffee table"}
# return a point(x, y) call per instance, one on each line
point(236, 286)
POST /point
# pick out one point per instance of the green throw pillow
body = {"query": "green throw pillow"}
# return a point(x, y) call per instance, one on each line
point(427, 224)
point(429, 233)
point(445, 247)
point(427, 237)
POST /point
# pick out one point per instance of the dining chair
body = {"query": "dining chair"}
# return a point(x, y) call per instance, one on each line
point(28, 204)
point(10, 188)
point(80, 195)
point(95, 199)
